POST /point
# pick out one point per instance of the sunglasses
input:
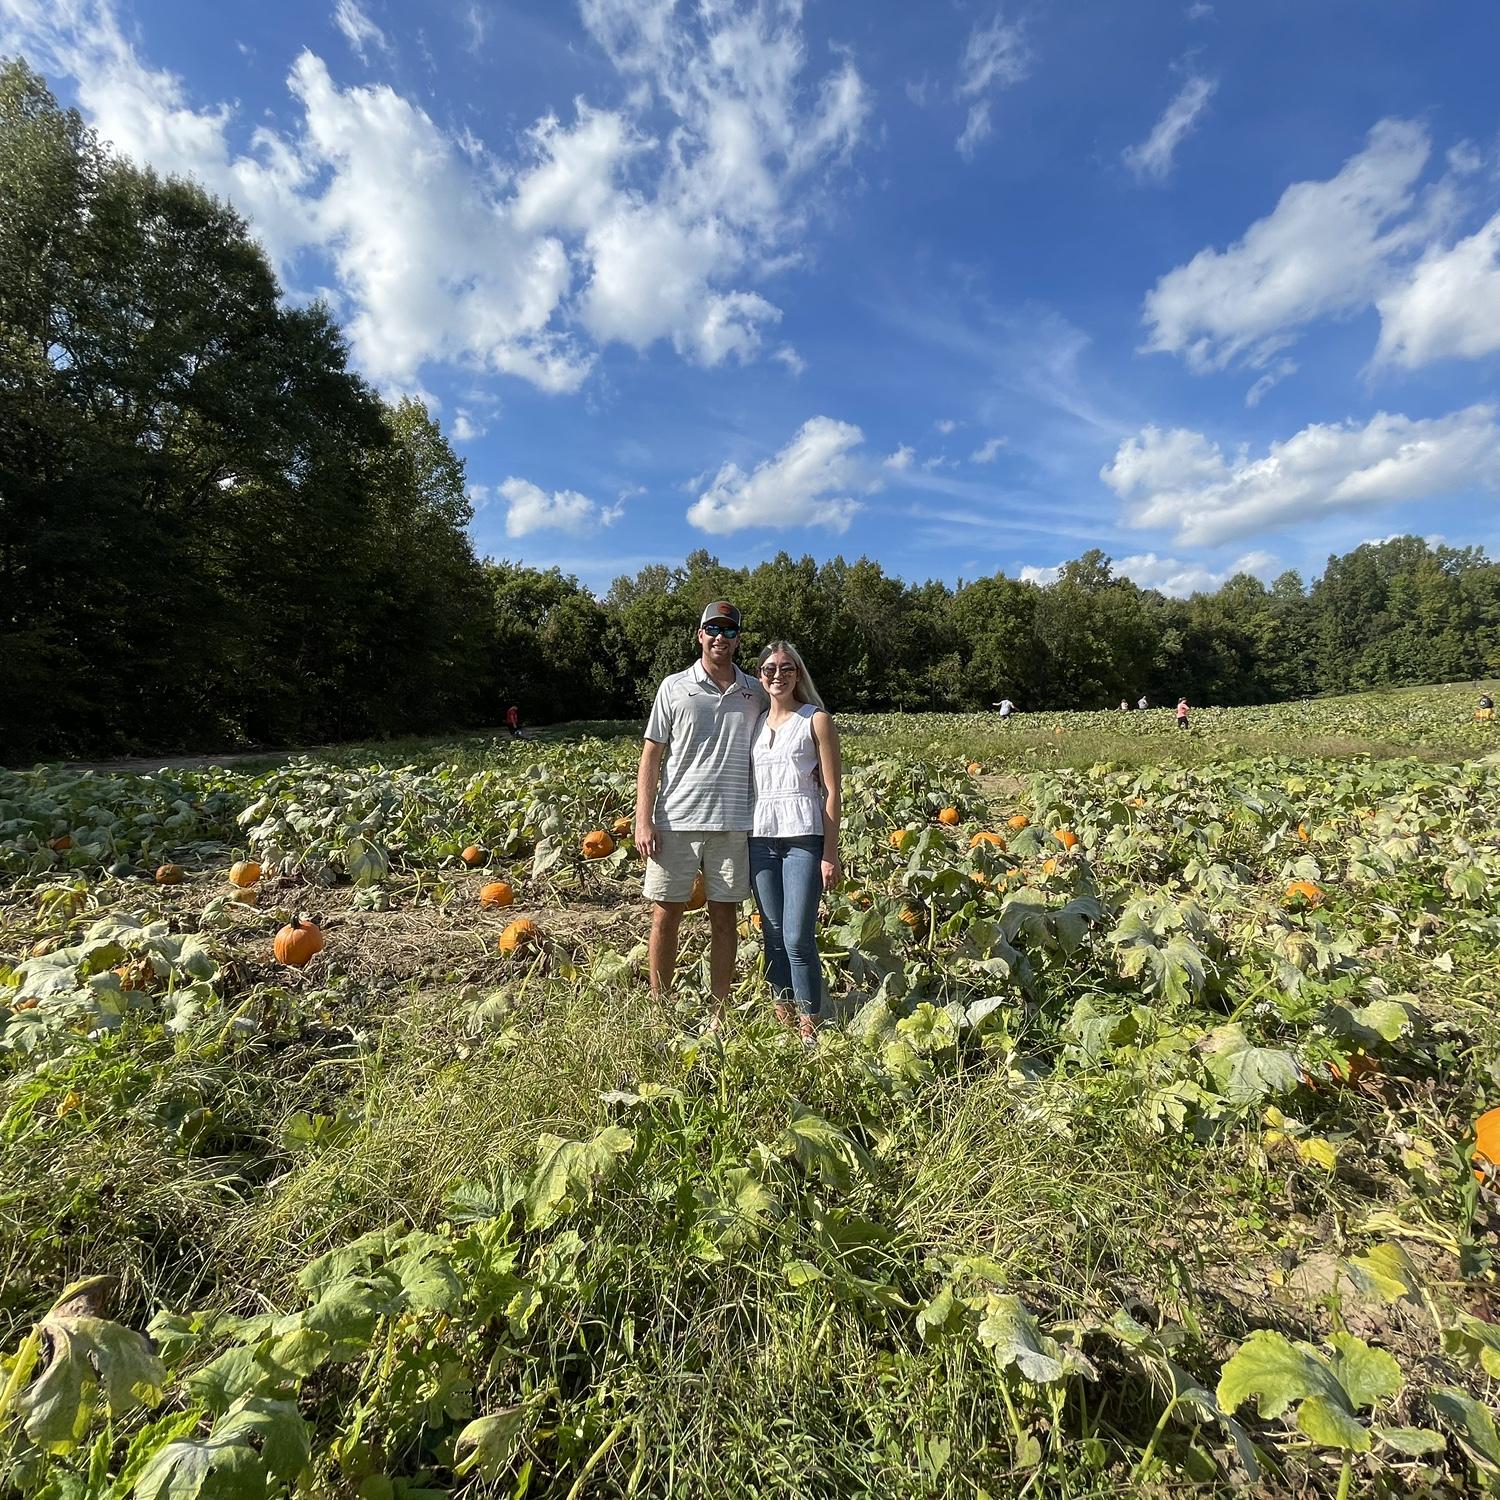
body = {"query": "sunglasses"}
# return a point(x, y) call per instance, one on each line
point(786, 669)
point(729, 632)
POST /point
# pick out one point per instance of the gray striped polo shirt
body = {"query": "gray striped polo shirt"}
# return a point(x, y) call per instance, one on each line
point(705, 770)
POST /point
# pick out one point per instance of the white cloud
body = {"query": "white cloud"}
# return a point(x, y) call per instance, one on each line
point(359, 30)
point(901, 458)
point(789, 357)
point(1180, 579)
point(1325, 250)
point(1450, 306)
point(465, 428)
point(478, 24)
point(598, 231)
point(995, 55)
point(988, 451)
point(1179, 479)
point(945, 425)
point(1040, 576)
point(800, 486)
point(1153, 157)
point(530, 508)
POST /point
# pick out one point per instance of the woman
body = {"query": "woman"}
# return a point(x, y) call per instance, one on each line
point(1182, 713)
point(794, 843)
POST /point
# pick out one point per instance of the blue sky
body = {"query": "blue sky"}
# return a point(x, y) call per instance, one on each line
point(960, 287)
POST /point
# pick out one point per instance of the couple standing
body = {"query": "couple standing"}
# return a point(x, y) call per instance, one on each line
point(739, 784)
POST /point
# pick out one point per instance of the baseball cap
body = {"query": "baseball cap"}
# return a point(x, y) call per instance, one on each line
point(723, 610)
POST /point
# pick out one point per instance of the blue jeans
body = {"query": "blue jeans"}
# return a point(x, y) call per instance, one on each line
point(788, 878)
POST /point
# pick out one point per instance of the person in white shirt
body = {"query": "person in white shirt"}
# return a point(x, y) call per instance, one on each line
point(1007, 708)
point(794, 839)
point(692, 798)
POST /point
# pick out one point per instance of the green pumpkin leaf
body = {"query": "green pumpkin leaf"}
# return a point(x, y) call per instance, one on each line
point(1472, 1423)
point(569, 1172)
point(1385, 1271)
point(1011, 1334)
point(256, 1442)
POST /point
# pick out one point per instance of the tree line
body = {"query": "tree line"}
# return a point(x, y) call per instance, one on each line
point(213, 532)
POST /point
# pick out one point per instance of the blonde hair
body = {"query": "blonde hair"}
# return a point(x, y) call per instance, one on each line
point(805, 691)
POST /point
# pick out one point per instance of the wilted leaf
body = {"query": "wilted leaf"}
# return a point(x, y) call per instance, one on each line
point(1386, 1272)
point(569, 1172)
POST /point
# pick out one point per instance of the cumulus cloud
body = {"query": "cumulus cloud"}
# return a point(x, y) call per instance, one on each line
point(788, 356)
point(901, 458)
point(530, 508)
point(988, 451)
point(1450, 306)
point(597, 231)
point(1326, 249)
point(945, 425)
point(1181, 480)
point(1040, 576)
point(359, 30)
point(1180, 579)
point(995, 56)
point(1152, 158)
point(465, 428)
point(805, 484)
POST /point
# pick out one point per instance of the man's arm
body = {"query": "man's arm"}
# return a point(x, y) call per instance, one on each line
point(647, 782)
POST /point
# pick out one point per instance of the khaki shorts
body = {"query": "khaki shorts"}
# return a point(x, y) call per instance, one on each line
point(724, 859)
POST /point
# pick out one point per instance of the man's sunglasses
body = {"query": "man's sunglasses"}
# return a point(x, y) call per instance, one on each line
point(729, 632)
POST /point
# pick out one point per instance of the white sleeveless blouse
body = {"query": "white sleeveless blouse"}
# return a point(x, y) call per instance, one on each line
point(788, 795)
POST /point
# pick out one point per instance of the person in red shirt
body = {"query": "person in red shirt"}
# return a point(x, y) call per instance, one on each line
point(513, 721)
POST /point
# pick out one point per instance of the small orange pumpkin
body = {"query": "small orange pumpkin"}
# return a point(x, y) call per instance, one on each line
point(623, 828)
point(1066, 837)
point(597, 845)
point(913, 916)
point(1305, 892)
point(948, 816)
point(472, 856)
point(699, 897)
point(169, 875)
point(1049, 867)
point(244, 872)
point(899, 837)
point(496, 893)
point(974, 768)
point(1487, 1140)
point(1018, 821)
point(62, 845)
point(1302, 832)
point(522, 933)
point(995, 840)
point(298, 943)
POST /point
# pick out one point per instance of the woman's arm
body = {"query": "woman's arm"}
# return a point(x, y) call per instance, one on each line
point(831, 774)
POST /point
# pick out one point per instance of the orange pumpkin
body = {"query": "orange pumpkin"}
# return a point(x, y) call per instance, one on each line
point(974, 768)
point(522, 933)
point(948, 816)
point(1487, 1140)
point(1302, 832)
point(169, 875)
point(1018, 821)
point(1049, 867)
point(1066, 837)
point(62, 845)
point(597, 845)
point(245, 872)
point(995, 840)
point(978, 877)
point(472, 856)
point(913, 916)
point(699, 898)
point(899, 837)
point(1305, 892)
point(496, 893)
point(623, 828)
point(298, 943)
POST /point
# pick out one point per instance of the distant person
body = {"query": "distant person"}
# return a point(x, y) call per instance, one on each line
point(513, 721)
point(794, 842)
point(693, 797)
point(1486, 708)
point(1007, 708)
point(1182, 713)
point(1124, 705)
point(1142, 704)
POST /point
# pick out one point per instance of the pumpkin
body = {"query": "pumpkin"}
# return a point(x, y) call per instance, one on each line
point(860, 900)
point(1487, 1140)
point(996, 840)
point(913, 916)
point(245, 872)
point(1018, 821)
point(1358, 1067)
point(1066, 837)
point(496, 893)
point(298, 943)
point(1304, 891)
point(62, 845)
point(699, 898)
point(1049, 867)
point(623, 828)
point(948, 816)
point(522, 933)
point(169, 875)
point(472, 856)
point(978, 877)
point(246, 895)
point(899, 837)
point(1302, 832)
point(597, 845)
point(974, 768)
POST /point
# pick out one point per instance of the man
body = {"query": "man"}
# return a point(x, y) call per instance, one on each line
point(1007, 708)
point(692, 798)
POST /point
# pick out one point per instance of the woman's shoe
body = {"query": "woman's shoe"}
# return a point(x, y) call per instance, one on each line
point(783, 1012)
point(807, 1028)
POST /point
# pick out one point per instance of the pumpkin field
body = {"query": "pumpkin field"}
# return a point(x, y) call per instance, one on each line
point(1149, 1147)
